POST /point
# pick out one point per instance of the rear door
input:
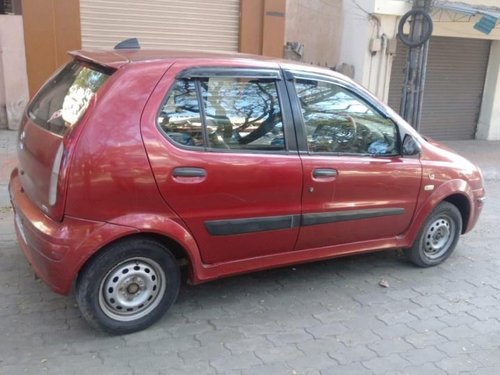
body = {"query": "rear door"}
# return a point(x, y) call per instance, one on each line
point(356, 185)
point(223, 151)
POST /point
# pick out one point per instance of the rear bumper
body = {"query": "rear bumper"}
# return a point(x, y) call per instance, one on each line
point(55, 250)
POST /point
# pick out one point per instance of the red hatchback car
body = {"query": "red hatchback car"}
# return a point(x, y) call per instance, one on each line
point(133, 163)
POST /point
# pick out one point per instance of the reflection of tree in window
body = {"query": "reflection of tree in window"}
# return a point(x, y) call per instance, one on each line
point(338, 121)
point(243, 111)
point(180, 115)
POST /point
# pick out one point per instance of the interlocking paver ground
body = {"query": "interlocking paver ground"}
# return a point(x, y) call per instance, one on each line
point(328, 317)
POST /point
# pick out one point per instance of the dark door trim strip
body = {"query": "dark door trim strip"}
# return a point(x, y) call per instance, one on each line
point(268, 223)
point(335, 217)
point(256, 224)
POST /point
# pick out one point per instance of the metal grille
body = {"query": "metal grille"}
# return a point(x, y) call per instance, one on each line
point(175, 24)
point(456, 72)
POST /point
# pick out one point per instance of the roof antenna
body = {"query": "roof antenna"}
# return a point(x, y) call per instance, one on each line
point(132, 43)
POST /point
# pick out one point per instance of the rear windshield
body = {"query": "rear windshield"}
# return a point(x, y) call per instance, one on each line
point(65, 98)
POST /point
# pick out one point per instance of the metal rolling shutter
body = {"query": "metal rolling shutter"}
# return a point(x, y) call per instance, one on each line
point(173, 24)
point(456, 72)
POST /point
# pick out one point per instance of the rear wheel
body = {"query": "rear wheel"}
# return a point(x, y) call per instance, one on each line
point(129, 286)
point(438, 237)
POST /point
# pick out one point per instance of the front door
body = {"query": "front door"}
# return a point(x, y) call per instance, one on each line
point(357, 187)
point(228, 167)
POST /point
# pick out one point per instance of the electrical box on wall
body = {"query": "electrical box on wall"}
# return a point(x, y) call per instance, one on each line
point(375, 45)
point(392, 46)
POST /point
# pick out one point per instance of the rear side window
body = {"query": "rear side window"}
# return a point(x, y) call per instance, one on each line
point(236, 114)
point(65, 98)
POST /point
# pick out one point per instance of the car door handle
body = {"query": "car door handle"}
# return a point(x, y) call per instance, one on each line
point(189, 172)
point(324, 173)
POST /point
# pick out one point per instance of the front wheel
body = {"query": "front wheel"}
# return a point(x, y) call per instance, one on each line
point(128, 286)
point(438, 237)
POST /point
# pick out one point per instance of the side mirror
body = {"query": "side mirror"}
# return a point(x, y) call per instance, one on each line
point(410, 146)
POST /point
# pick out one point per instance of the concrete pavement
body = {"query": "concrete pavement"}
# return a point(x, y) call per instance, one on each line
point(329, 317)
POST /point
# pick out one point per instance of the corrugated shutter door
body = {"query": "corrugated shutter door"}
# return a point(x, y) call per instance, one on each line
point(173, 24)
point(456, 72)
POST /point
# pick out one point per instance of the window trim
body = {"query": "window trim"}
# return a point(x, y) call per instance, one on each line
point(293, 75)
point(199, 73)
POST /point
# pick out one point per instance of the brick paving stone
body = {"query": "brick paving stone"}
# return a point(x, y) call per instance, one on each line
point(485, 313)
point(494, 370)
point(401, 317)
point(350, 369)
point(455, 333)
point(458, 347)
point(422, 340)
point(204, 353)
point(390, 346)
point(346, 355)
point(250, 344)
point(324, 330)
point(427, 369)
point(424, 313)
point(394, 331)
point(311, 362)
point(239, 361)
point(289, 337)
point(354, 338)
point(426, 325)
point(460, 364)
point(459, 319)
point(278, 354)
point(268, 369)
point(419, 357)
point(486, 326)
point(381, 365)
point(489, 357)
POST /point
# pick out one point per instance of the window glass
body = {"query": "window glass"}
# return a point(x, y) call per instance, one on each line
point(338, 121)
point(64, 99)
point(242, 114)
point(180, 115)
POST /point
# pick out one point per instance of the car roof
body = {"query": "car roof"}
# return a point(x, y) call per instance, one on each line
point(118, 58)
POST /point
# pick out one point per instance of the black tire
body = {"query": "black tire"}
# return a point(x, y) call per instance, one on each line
point(428, 27)
point(128, 286)
point(438, 237)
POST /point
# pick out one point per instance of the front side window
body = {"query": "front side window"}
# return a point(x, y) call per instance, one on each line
point(237, 114)
point(338, 121)
point(64, 99)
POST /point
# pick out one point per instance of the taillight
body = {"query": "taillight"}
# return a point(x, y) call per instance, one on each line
point(58, 176)
point(54, 177)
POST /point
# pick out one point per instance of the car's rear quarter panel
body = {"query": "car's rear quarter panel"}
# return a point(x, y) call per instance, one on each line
point(110, 174)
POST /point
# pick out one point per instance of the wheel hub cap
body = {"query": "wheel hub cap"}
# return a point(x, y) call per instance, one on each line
point(438, 238)
point(132, 289)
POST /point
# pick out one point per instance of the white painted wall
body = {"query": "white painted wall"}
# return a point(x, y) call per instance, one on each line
point(355, 36)
point(316, 24)
point(488, 126)
point(13, 76)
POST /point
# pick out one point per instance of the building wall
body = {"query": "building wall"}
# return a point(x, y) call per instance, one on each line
point(51, 29)
point(13, 79)
point(365, 20)
point(317, 25)
point(262, 27)
point(488, 126)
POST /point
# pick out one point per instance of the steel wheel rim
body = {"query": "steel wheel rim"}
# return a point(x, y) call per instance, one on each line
point(438, 237)
point(132, 289)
